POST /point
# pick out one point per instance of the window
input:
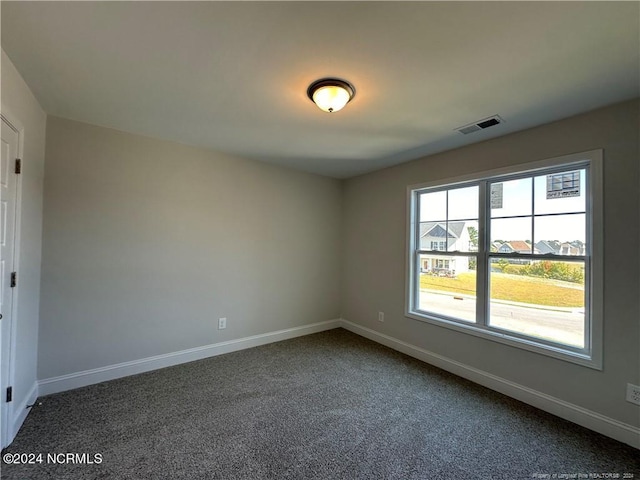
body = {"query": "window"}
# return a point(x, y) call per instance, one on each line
point(438, 245)
point(513, 255)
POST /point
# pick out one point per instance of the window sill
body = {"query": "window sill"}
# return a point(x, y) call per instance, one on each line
point(505, 338)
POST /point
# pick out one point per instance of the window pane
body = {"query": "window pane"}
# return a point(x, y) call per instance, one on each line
point(543, 299)
point(560, 192)
point(448, 286)
point(510, 198)
point(433, 206)
point(463, 203)
point(511, 235)
point(560, 234)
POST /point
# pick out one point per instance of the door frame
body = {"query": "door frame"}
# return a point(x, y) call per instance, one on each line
point(8, 431)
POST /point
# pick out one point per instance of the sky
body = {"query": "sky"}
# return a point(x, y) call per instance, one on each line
point(516, 198)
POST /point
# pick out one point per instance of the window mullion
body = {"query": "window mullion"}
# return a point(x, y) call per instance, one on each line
point(446, 224)
point(533, 215)
point(482, 267)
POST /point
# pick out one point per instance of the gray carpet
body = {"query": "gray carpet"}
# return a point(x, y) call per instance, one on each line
point(327, 406)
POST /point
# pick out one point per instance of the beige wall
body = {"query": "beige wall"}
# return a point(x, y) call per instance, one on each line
point(148, 242)
point(374, 225)
point(21, 106)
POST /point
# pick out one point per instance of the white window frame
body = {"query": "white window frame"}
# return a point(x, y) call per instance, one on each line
point(591, 355)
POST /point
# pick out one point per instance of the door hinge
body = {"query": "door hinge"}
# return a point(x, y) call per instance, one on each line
point(14, 279)
point(9, 394)
point(18, 166)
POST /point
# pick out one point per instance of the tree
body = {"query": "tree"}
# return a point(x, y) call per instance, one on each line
point(473, 236)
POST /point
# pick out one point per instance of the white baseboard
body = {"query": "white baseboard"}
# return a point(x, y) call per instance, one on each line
point(112, 372)
point(21, 411)
point(594, 421)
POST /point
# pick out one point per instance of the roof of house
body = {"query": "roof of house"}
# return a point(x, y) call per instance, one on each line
point(437, 229)
point(548, 246)
point(519, 246)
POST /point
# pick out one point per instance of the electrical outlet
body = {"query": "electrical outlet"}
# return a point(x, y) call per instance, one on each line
point(633, 393)
point(381, 316)
point(222, 323)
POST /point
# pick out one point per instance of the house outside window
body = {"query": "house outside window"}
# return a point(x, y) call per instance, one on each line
point(456, 236)
point(513, 255)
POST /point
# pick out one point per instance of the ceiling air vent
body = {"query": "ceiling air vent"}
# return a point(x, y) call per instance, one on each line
point(480, 124)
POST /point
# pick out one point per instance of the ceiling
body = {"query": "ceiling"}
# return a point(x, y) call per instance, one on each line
point(232, 76)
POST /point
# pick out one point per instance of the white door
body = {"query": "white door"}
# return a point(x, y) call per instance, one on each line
point(8, 190)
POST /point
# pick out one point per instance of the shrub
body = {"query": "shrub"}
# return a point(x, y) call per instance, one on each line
point(548, 269)
point(501, 264)
point(512, 269)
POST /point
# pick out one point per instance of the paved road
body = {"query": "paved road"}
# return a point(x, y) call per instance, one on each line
point(561, 326)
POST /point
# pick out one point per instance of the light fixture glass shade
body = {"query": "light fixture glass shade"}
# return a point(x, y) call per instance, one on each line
point(330, 98)
point(330, 94)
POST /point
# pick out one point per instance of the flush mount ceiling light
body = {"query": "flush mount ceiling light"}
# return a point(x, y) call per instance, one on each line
point(330, 94)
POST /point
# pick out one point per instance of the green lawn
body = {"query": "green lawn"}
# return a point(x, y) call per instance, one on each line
point(515, 288)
